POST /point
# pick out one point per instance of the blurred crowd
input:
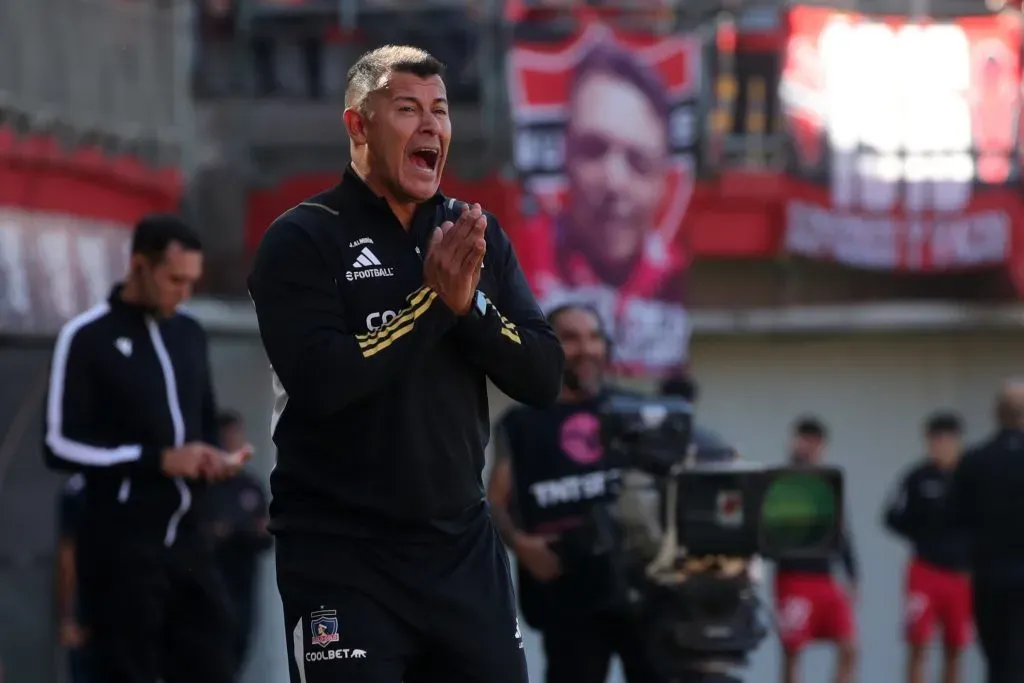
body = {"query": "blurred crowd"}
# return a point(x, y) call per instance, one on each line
point(276, 45)
point(279, 47)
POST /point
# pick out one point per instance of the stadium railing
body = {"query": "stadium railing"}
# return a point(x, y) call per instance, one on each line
point(111, 71)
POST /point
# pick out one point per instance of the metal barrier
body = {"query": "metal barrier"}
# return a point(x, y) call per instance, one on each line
point(115, 69)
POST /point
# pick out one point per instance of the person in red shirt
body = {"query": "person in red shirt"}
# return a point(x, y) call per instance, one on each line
point(812, 604)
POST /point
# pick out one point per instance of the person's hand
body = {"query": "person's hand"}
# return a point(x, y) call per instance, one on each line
point(454, 257)
point(223, 465)
point(538, 558)
point(72, 635)
point(472, 219)
point(193, 460)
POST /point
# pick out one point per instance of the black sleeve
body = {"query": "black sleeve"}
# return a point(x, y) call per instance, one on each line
point(513, 342)
point(899, 508)
point(74, 416)
point(320, 361)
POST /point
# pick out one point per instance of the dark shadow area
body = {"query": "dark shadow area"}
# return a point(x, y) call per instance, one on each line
point(28, 498)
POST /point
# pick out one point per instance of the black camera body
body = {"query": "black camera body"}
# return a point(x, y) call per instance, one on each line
point(678, 539)
point(705, 618)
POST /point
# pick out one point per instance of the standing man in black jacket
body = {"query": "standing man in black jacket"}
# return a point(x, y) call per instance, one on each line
point(986, 500)
point(131, 406)
point(938, 585)
point(384, 307)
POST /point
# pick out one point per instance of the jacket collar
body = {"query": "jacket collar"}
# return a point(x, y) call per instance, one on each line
point(119, 304)
point(352, 187)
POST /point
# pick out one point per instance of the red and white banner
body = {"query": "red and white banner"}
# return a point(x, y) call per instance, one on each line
point(606, 129)
point(53, 266)
point(904, 136)
point(65, 227)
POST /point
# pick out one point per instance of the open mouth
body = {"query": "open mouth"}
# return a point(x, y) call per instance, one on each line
point(425, 158)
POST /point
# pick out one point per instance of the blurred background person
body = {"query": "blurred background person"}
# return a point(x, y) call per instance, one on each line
point(236, 517)
point(73, 633)
point(812, 604)
point(985, 500)
point(541, 454)
point(707, 445)
point(130, 405)
point(938, 585)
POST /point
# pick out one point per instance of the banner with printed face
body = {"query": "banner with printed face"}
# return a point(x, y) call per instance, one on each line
point(903, 137)
point(606, 126)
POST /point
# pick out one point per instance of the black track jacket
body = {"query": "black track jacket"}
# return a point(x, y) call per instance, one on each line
point(125, 386)
point(918, 511)
point(381, 417)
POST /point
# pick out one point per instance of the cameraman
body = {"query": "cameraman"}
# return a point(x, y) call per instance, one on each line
point(549, 472)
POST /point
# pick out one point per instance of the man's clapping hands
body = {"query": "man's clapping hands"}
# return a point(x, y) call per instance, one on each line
point(198, 460)
point(454, 258)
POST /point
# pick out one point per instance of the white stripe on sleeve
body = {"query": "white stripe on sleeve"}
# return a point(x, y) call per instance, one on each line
point(63, 447)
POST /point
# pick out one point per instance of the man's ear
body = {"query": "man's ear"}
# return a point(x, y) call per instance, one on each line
point(137, 263)
point(355, 125)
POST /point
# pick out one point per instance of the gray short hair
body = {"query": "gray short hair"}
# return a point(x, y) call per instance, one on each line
point(366, 74)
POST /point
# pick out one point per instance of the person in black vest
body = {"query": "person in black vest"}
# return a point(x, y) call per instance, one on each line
point(549, 472)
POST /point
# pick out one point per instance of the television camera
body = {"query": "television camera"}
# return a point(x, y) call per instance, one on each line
point(682, 533)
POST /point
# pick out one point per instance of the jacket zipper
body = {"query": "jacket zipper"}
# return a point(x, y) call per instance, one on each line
point(174, 405)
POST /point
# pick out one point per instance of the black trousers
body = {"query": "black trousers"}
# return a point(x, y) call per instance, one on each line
point(154, 613)
point(580, 650)
point(382, 611)
point(999, 619)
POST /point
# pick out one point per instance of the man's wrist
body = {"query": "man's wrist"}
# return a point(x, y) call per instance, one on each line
point(478, 310)
point(477, 307)
point(440, 311)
